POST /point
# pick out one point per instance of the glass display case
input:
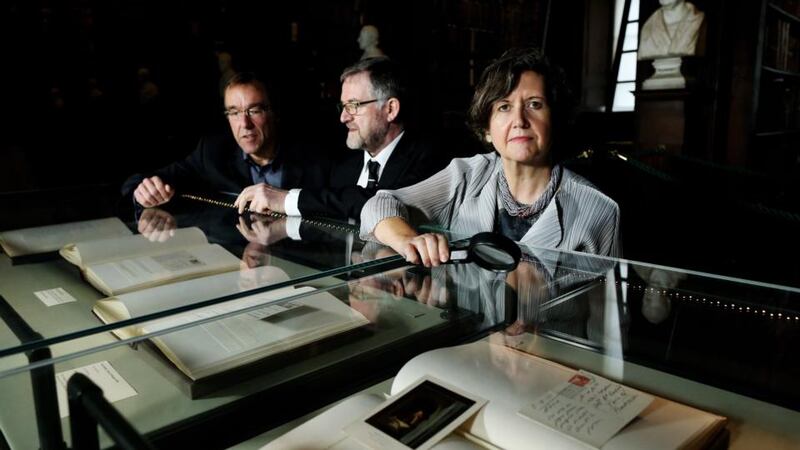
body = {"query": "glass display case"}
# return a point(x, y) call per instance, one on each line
point(310, 314)
point(291, 315)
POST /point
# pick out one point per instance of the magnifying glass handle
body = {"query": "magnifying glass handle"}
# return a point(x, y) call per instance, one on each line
point(459, 255)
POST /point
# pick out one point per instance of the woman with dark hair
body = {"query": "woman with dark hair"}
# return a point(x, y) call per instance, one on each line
point(519, 109)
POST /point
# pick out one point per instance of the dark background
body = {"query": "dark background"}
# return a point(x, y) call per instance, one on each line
point(723, 201)
point(77, 94)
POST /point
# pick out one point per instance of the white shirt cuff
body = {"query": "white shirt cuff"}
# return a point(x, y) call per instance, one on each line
point(291, 201)
point(293, 227)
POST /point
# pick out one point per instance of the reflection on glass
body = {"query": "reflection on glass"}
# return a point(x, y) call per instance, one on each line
point(656, 304)
point(562, 297)
point(493, 255)
point(156, 224)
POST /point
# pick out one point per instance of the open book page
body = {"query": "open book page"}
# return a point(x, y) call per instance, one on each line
point(169, 265)
point(512, 380)
point(215, 346)
point(219, 345)
point(50, 238)
point(97, 250)
point(325, 430)
point(182, 293)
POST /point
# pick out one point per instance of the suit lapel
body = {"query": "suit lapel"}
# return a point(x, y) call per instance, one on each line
point(547, 231)
point(396, 164)
point(293, 174)
point(239, 167)
point(350, 169)
point(477, 214)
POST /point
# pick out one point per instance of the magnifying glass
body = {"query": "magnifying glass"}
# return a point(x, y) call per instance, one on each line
point(491, 251)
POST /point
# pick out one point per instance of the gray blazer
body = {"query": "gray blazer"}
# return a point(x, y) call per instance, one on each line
point(462, 199)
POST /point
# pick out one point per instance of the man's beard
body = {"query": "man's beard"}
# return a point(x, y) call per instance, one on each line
point(371, 141)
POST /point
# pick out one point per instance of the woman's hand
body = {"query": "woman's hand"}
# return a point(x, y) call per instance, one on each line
point(429, 249)
point(424, 288)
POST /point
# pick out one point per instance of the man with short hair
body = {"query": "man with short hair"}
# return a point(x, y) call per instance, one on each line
point(253, 157)
point(388, 156)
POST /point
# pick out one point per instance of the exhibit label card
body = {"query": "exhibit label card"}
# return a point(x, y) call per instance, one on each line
point(103, 375)
point(417, 417)
point(587, 407)
point(52, 297)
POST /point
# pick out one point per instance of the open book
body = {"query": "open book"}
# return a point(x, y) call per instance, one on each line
point(213, 347)
point(511, 381)
point(50, 238)
point(123, 264)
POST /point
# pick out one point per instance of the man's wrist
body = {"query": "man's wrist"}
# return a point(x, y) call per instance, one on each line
point(291, 203)
point(293, 227)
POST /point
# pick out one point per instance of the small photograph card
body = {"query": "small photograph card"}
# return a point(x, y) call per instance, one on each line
point(417, 417)
point(589, 408)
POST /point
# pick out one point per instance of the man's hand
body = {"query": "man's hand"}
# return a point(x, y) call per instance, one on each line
point(263, 232)
point(156, 224)
point(255, 255)
point(262, 198)
point(153, 192)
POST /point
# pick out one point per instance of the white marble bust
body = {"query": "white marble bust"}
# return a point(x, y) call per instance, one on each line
point(368, 41)
point(673, 30)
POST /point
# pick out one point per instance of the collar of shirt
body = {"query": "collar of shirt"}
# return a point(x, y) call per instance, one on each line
point(382, 158)
point(275, 162)
point(268, 173)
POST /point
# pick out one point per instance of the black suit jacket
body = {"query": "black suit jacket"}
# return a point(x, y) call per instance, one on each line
point(217, 165)
point(413, 160)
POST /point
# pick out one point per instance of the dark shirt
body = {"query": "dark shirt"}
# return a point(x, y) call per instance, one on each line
point(514, 227)
point(270, 173)
point(218, 164)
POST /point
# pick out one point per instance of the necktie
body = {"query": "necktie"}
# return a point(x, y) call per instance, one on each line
point(372, 178)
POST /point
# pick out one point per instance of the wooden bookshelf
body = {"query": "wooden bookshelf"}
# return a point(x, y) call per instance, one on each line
point(777, 8)
point(775, 125)
point(784, 73)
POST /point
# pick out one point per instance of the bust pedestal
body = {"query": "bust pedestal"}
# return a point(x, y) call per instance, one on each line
point(663, 119)
point(667, 74)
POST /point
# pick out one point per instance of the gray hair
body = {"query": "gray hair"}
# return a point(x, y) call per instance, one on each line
point(386, 76)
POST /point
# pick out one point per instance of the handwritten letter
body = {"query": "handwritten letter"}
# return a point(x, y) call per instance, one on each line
point(589, 408)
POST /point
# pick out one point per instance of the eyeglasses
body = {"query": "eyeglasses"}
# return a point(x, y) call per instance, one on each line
point(252, 112)
point(352, 107)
